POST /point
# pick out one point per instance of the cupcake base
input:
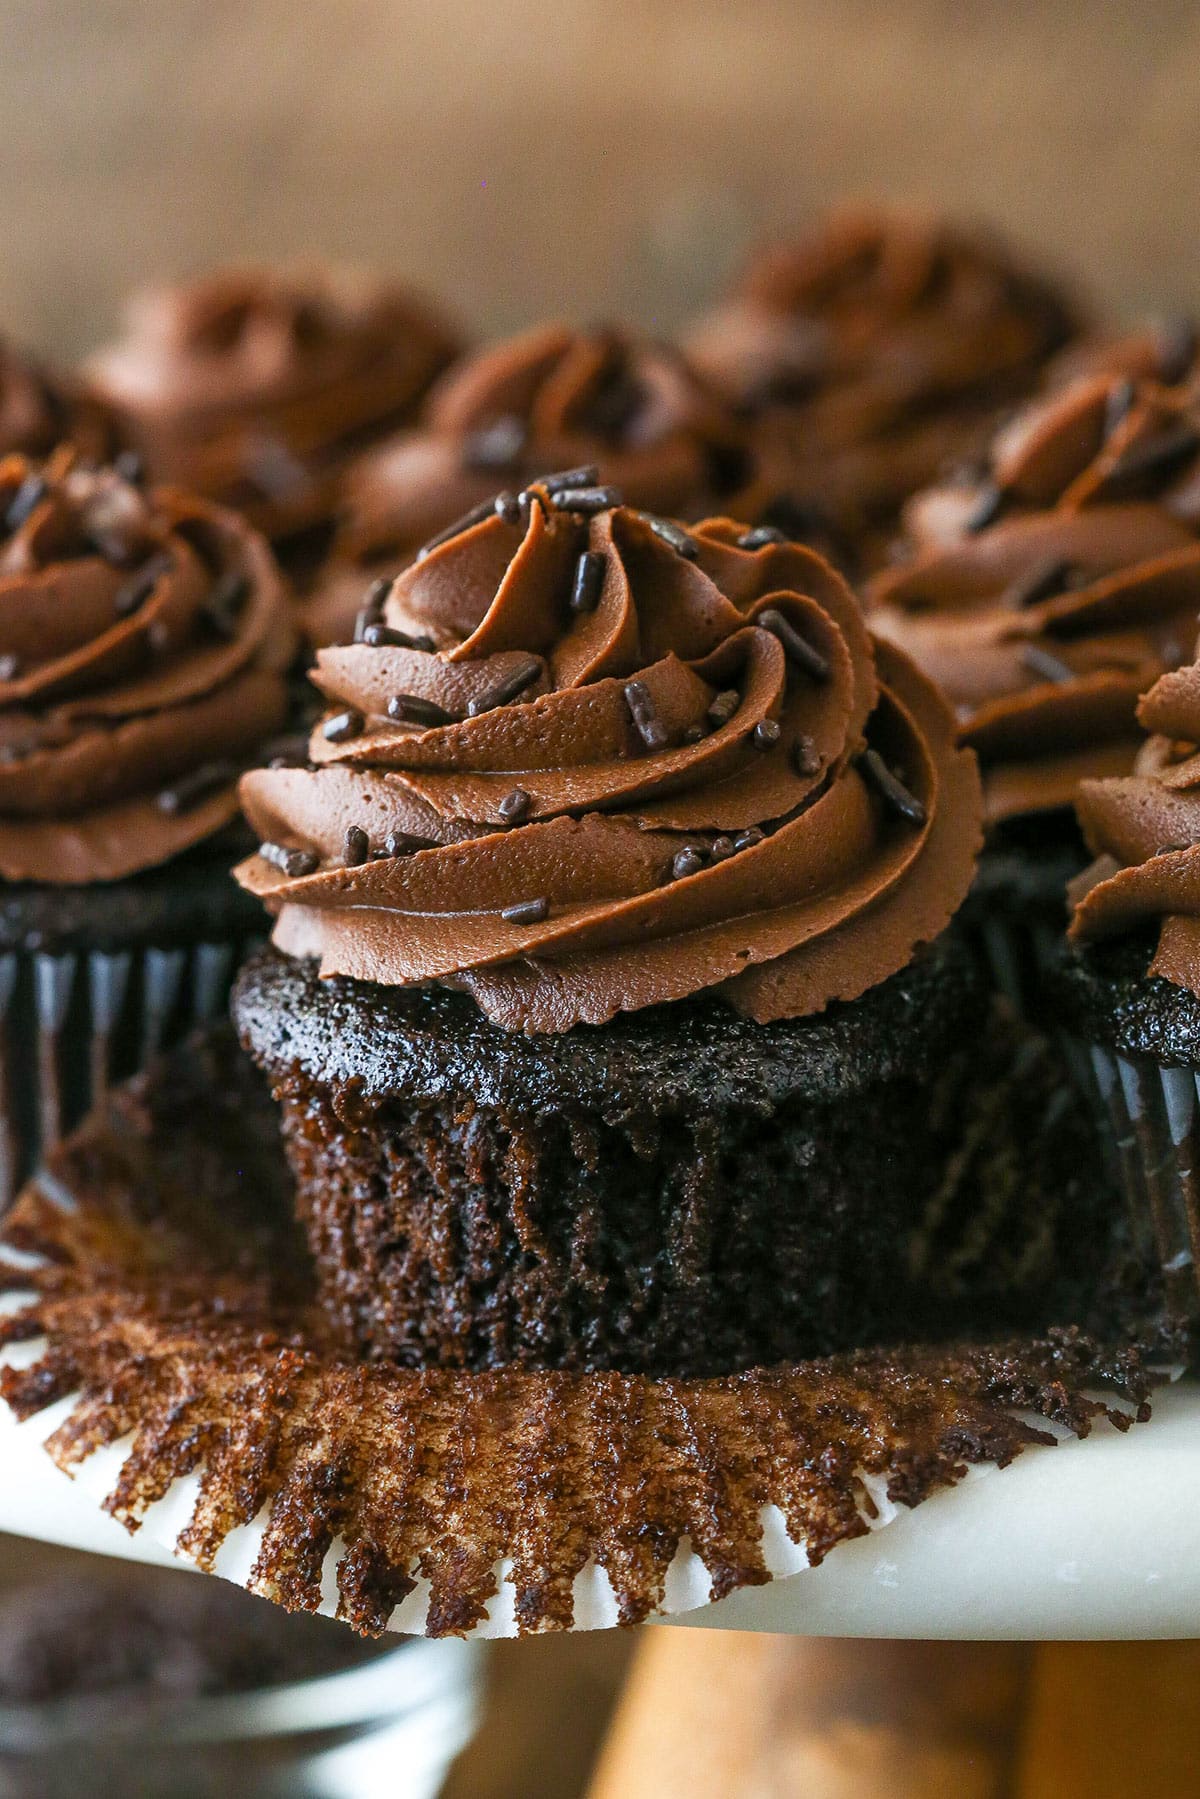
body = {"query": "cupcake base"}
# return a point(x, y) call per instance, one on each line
point(1016, 911)
point(151, 1282)
point(681, 1191)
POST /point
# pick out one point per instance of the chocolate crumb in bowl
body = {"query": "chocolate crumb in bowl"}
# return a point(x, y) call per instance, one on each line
point(125, 721)
point(721, 828)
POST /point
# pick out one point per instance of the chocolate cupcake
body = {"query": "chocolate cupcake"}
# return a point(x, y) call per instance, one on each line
point(873, 353)
point(614, 909)
point(1044, 598)
point(1128, 992)
point(551, 398)
point(143, 639)
point(255, 387)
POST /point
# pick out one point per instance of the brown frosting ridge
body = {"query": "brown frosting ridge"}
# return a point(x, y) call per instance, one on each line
point(799, 884)
point(1045, 598)
point(875, 349)
point(1144, 830)
point(143, 639)
point(550, 398)
point(254, 386)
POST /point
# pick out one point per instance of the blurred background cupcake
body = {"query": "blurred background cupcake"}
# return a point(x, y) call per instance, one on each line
point(143, 642)
point(1128, 993)
point(254, 387)
point(872, 353)
point(1044, 597)
point(624, 404)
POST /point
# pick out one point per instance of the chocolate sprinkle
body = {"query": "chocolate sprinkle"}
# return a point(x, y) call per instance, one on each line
point(892, 789)
point(130, 466)
point(1045, 664)
point(721, 848)
point(514, 807)
point(723, 707)
point(584, 476)
point(506, 688)
point(134, 593)
point(25, 501)
point(673, 535)
point(343, 726)
point(477, 514)
point(589, 579)
point(386, 637)
point(294, 863)
point(9, 667)
point(224, 603)
point(403, 843)
point(1117, 406)
point(509, 507)
point(199, 785)
point(987, 508)
point(748, 840)
point(649, 726)
point(766, 734)
point(496, 446)
point(585, 500)
point(1176, 350)
point(1038, 583)
point(694, 734)
point(527, 912)
point(356, 846)
point(686, 862)
point(411, 709)
point(761, 537)
point(805, 758)
point(1153, 456)
point(796, 648)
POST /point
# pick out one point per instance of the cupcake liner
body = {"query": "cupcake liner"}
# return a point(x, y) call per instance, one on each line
point(161, 1338)
point(1149, 1117)
point(75, 1023)
point(1017, 952)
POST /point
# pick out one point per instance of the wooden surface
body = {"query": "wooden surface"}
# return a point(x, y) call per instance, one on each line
point(613, 155)
point(730, 1716)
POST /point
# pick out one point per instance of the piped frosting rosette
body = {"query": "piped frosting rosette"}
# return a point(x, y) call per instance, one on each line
point(254, 386)
point(549, 398)
point(583, 761)
point(1144, 830)
point(1047, 597)
point(143, 638)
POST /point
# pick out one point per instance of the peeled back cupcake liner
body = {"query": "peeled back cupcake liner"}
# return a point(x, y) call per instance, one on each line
point(160, 1339)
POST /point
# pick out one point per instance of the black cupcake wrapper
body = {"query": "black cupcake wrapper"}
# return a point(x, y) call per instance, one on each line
point(74, 1023)
point(1149, 1116)
point(1016, 952)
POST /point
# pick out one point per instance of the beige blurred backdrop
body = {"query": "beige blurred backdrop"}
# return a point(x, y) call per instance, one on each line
point(585, 157)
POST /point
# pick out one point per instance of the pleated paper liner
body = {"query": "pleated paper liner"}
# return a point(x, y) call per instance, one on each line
point(72, 1023)
point(159, 1320)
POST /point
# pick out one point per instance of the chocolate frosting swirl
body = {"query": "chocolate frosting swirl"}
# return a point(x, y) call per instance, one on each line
point(550, 398)
point(675, 797)
point(874, 350)
point(1144, 830)
point(143, 639)
point(1046, 597)
point(254, 387)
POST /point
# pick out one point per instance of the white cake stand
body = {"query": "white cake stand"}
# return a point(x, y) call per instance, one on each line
point(1092, 1539)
